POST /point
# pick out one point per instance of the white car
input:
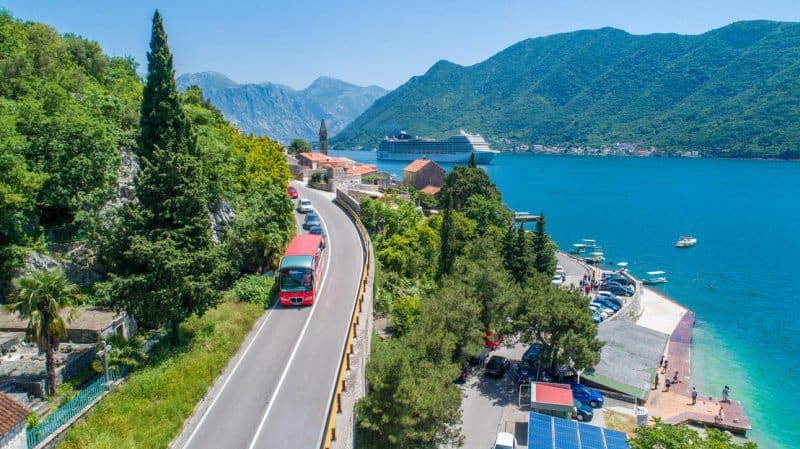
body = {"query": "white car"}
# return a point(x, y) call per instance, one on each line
point(304, 206)
point(557, 279)
point(505, 440)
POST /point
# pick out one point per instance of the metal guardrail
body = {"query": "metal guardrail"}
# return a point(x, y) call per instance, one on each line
point(73, 407)
point(344, 363)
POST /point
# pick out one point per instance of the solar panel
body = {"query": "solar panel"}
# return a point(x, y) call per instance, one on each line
point(616, 440)
point(540, 431)
point(591, 437)
point(566, 434)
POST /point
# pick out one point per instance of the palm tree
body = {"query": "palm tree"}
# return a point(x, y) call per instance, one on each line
point(40, 297)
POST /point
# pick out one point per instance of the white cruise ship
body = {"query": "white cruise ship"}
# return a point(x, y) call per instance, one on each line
point(453, 150)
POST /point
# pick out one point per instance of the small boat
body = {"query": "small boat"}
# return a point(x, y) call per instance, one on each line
point(595, 258)
point(655, 277)
point(685, 242)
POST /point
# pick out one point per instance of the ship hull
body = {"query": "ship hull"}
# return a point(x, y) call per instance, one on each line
point(481, 157)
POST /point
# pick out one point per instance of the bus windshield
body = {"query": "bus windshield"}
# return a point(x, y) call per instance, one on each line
point(296, 280)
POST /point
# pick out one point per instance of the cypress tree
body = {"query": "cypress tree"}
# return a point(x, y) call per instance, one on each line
point(447, 254)
point(168, 267)
point(472, 163)
point(545, 253)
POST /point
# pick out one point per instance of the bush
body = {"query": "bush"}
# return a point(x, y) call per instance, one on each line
point(319, 178)
point(254, 288)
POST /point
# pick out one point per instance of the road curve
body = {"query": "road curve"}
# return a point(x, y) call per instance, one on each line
point(278, 390)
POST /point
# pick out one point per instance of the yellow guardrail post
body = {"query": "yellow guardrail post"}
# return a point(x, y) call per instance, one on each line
point(344, 363)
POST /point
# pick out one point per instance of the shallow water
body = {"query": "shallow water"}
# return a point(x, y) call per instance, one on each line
point(739, 278)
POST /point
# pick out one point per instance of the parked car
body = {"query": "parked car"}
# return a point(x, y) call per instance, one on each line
point(618, 279)
point(609, 295)
point(496, 366)
point(557, 279)
point(587, 395)
point(304, 206)
point(582, 412)
point(610, 304)
point(478, 359)
point(504, 440)
point(528, 367)
point(311, 220)
point(618, 289)
point(604, 311)
point(597, 316)
point(292, 192)
point(317, 230)
point(492, 341)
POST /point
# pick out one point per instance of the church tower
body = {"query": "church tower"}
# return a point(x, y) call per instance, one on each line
point(323, 138)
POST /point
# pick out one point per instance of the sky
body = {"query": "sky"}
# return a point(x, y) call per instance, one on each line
point(371, 42)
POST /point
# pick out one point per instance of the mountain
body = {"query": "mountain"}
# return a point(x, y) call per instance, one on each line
point(733, 91)
point(281, 112)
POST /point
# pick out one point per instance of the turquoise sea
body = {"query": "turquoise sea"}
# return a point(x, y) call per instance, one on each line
point(739, 278)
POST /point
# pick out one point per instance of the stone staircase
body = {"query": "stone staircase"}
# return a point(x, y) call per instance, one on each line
point(30, 402)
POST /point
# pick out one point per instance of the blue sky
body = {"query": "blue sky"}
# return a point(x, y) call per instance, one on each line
point(377, 42)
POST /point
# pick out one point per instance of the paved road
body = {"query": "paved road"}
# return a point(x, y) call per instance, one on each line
point(278, 391)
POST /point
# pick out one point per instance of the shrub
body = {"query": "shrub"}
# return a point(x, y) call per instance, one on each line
point(254, 288)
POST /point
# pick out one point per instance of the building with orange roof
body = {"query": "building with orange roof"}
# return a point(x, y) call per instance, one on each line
point(552, 399)
point(423, 172)
point(12, 424)
point(430, 190)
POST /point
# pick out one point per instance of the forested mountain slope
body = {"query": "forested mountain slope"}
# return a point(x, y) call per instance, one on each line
point(733, 91)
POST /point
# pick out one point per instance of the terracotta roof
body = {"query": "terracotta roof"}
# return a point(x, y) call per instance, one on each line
point(430, 190)
point(362, 169)
point(417, 165)
point(556, 394)
point(316, 157)
point(11, 414)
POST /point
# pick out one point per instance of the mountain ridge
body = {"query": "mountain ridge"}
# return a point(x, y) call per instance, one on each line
point(731, 91)
point(280, 111)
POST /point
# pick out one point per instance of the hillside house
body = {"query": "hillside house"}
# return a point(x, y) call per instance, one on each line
point(423, 172)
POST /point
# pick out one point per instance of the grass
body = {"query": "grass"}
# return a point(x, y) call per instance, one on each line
point(149, 409)
point(620, 421)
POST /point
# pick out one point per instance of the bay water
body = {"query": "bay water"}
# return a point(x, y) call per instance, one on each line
point(739, 278)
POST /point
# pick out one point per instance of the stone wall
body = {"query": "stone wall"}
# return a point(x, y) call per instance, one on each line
point(15, 438)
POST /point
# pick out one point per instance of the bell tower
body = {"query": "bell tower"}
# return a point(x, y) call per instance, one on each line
point(323, 138)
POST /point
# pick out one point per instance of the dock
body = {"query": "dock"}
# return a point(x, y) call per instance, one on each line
point(674, 406)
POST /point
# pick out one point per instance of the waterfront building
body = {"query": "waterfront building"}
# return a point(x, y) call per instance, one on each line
point(423, 172)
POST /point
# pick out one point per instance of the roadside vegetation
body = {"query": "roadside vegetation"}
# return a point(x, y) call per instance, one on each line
point(203, 211)
point(149, 409)
point(447, 281)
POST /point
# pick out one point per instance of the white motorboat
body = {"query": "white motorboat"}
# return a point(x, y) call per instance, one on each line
point(655, 277)
point(685, 242)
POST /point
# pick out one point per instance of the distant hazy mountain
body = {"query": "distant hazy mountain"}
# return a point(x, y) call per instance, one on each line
point(733, 91)
point(281, 112)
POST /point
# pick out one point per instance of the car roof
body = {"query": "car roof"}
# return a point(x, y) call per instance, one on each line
point(504, 438)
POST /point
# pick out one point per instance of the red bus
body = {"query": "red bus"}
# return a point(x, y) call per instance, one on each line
point(300, 270)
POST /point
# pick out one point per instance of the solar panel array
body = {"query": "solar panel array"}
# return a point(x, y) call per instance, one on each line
point(547, 432)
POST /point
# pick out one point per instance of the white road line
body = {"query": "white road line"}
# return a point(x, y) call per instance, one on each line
point(224, 384)
point(328, 250)
point(247, 349)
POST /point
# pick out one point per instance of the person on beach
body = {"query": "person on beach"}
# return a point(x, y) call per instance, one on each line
point(725, 392)
point(661, 363)
point(720, 415)
point(675, 377)
point(655, 384)
point(666, 385)
point(666, 363)
point(694, 396)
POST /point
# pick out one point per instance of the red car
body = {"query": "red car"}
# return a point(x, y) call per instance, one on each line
point(292, 192)
point(492, 341)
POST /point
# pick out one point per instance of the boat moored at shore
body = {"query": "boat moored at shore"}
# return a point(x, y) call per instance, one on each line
point(655, 277)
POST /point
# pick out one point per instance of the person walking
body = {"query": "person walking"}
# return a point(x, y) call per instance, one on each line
point(725, 392)
point(666, 385)
point(655, 384)
point(666, 363)
point(694, 396)
point(720, 415)
point(675, 377)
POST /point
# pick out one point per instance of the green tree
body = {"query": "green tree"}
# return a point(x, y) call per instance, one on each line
point(559, 320)
point(472, 163)
point(447, 243)
point(166, 266)
point(519, 257)
point(412, 402)
point(544, 248)
point(667, 436)
point(44, 299)
point(463, 182)
point(299, 146)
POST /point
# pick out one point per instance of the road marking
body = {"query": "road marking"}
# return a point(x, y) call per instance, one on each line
point(328, 251)
point(249, 345)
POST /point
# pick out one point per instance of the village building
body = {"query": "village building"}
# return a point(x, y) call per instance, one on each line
point(12, 424)
point(422, 173)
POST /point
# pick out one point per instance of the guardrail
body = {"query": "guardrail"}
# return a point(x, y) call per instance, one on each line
point(344, 363)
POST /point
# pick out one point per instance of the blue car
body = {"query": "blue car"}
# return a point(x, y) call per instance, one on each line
point(586, 395)
point(618, 289)
point(317, 230)
point(311, 220)
point(610, 304)
point(582, 412)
